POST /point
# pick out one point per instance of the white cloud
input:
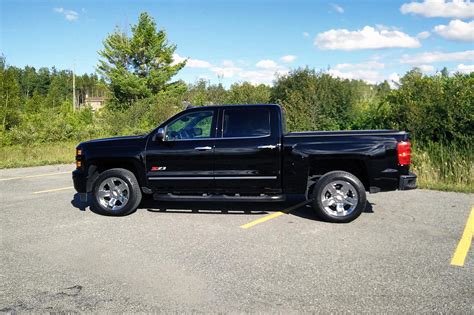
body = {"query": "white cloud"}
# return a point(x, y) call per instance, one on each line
point(197, 63)
point(465, 68)
point(266, 71)
point(394, 80)
point(261, 76)
point(69, 15)
point(190, 62)
point(367, 71)
point(433, 57)
point(369, 76)
point(363, 65)
point(288, 58)
point(426, 68)
point(305, 34)
point(423, 35)
point(267, 64)
point(462, 9)
point(177, 59)
point(376, 57)
point(228, 63)
point(366, 38)
point(227, 70)
point(456, 30)
point(337, 8)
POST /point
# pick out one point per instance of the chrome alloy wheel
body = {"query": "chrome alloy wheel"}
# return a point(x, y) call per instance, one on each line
point(339, 198)
point(113, 193)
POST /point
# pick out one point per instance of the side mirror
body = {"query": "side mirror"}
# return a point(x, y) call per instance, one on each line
point(159, 135)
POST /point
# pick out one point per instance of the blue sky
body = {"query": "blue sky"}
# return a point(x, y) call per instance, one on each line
point(233, 41)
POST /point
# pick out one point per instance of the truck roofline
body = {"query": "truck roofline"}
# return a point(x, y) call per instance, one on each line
point(232, 105)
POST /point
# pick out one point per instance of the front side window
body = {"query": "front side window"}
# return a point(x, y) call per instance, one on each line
point(246, 122)
point(195, 125)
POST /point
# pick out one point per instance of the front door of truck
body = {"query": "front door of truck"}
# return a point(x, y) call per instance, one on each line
point(184, 160)
point(247, 151)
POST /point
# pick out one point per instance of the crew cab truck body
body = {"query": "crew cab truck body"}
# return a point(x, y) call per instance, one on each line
point(243, 153)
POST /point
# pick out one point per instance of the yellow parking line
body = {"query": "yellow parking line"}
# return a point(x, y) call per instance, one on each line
point(261, 220)
point(31, 176)
point(465, 242)
point(52, 190)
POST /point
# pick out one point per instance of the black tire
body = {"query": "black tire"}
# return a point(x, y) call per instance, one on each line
point(133, 192)
point(335, 209)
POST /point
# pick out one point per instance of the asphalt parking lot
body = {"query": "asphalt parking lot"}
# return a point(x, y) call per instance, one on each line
point(396, 257)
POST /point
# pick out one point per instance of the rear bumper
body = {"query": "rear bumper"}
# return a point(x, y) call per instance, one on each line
point(80, 181)
point(407, 182)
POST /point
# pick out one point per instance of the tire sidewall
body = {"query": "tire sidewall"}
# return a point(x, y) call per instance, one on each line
point(134, 195)
point(339, 176)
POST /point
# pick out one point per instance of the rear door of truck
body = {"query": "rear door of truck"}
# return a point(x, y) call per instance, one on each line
point(247, 150)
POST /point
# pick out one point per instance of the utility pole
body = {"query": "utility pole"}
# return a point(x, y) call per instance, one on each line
point(73, 88)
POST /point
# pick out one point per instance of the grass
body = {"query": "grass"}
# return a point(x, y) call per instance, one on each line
point(37, 154)
point(449, 168)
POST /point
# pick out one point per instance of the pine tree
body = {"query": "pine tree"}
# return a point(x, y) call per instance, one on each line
point(141, 65)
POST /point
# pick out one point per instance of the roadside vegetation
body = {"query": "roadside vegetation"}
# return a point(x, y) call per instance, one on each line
point(39, 125)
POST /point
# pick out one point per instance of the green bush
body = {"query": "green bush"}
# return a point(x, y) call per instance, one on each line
point(446, 167)
point(437, 110)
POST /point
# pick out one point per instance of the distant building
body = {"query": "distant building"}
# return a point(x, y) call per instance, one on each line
point(95, 102)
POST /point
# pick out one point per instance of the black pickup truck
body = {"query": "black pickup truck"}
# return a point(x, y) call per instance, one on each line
point(243, 153)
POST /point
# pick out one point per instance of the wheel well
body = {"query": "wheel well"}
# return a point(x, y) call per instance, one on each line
point(320, 167)
point(96, 168)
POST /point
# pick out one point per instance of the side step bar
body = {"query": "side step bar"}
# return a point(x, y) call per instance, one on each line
point(173, 197)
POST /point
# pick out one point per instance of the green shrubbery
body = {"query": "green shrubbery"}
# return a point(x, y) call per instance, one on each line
point(437, 110)
point(444, 166)
point(138, 68)
point(51, 125)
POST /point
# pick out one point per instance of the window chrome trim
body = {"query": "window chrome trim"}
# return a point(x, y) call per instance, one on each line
point(249, 137)
point(233, 138)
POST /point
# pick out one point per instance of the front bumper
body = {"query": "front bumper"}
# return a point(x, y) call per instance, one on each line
point(407, 182)
point(79, 178)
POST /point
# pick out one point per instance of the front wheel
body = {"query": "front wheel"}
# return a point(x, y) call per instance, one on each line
point(339, 197)
point(116, 192)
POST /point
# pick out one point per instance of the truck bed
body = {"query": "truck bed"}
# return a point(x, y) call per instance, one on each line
point(316, 152)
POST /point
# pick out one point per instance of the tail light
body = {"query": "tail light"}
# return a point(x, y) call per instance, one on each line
point(404, 153)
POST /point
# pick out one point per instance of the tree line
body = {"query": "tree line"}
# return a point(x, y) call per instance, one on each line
point(137, 72)
point(37, 105)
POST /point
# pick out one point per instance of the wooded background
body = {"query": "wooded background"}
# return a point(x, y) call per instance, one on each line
point(136, 73)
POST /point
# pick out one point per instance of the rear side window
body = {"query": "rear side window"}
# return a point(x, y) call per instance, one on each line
point(246, 122)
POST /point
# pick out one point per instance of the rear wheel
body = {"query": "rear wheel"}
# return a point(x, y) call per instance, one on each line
point(339, 197)
point(116, 192)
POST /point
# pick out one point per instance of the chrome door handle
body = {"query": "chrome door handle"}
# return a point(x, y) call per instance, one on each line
point(203, 148)
point(270, 146)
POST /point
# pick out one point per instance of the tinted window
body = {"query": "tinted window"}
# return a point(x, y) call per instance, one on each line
point(246, 122)
point(196, 125)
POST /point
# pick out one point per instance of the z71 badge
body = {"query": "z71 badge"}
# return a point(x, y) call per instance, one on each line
point(158, 168)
